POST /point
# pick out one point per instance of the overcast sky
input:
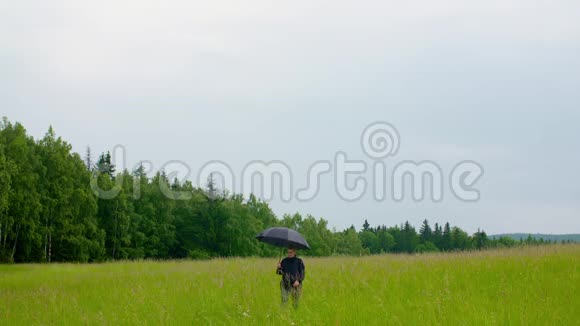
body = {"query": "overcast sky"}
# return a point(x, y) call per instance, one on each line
point(497, 82)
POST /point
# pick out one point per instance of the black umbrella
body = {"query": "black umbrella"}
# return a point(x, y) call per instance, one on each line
point(283, 237)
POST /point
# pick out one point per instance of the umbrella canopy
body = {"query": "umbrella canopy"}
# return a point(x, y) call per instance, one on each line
point(283, 237)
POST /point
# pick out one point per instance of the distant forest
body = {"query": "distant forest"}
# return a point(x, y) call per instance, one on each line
point(49, 213)
point(561, 238)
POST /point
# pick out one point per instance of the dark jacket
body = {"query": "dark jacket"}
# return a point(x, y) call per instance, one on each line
point(292, 270)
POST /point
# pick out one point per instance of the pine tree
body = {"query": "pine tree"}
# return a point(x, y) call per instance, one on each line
point(437, 236)
point(366, 226)
point(89, 159)
point(211, 188)
point(426, 232)
point(408, 239)
point(105, 166)
point(446, 237)
point(480, 239)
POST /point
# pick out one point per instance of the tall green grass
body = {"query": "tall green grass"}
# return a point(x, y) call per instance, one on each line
point(519, 286)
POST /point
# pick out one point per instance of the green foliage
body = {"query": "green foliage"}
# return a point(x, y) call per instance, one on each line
point(348, 243)
point(199, 254)
point(563, 238)
point(426, 233)
point(57, 207)
point(370, 241)
point(480, 240)
point(426, 247)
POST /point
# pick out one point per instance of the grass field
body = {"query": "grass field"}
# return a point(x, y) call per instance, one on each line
point(521, 286)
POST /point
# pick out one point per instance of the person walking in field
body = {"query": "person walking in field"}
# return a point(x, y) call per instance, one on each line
point(293, 273)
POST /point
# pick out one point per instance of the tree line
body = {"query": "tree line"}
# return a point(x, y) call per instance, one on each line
point(54, 208)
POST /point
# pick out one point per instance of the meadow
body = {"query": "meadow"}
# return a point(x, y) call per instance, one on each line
point(534, 285)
